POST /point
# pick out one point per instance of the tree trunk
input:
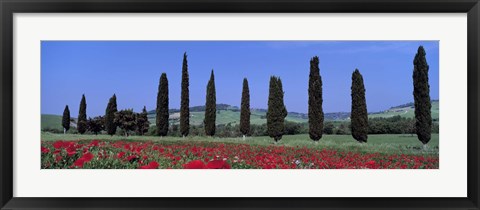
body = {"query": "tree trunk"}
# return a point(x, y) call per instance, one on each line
point(244, 137)
point(64, 131)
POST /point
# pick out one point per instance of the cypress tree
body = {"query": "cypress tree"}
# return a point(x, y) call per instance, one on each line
point(421, 94)
point(185, 101)
point(142, 122)
point(359, 115)
point(315, 110)
point(245, 110)
point(110, 125)
point(276, 112)
point(210, 107)
point(66, 119)
point(82, 116)
point(162, 106)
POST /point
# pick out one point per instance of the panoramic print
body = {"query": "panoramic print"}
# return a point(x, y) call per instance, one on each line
point(239, 105)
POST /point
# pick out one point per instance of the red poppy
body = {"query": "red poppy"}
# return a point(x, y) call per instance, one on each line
point(45, 150)
point(120, 154)
point(151, 165)
point(71, 151)
point(58, 158)
point(87, 157)
point(194, 164)
point(58, 144)
point(132, 158)
point(79, 163)
point(218, 164)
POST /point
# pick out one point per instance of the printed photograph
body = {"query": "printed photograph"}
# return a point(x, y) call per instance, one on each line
point(240, 105)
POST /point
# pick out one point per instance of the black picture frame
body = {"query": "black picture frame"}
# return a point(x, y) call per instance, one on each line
point(9, 7)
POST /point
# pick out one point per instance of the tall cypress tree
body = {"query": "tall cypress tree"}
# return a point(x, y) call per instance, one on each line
point(315, 100)
point(110, 125)
point(276, 112)
point(210, 107)
point(421, 94)
point(162, 106)
point(245, 110)
point(185, 100)
point(359, 115)
point(66, 119)
point(82, 116)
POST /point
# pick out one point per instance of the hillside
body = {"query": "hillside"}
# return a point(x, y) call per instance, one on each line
point(231, 114)
point(407, 111)
point(227, 114)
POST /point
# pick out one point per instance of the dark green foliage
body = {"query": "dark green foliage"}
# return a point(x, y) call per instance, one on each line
point(162, 106)
point(359, 115)
point(110, 125)
point(210, 107)
point(142, 122)
point(126, 120)
point(276, 112)
point(245, 109)
point(66, 119)
point(185, 100)
point(82, 116)
point(292, 128)
point(421, 94)
point(315, 100)
point(328, 128)
point(391, 125)
point(96, 125)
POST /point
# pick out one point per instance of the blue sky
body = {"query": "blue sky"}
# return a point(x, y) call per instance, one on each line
point(132, 69)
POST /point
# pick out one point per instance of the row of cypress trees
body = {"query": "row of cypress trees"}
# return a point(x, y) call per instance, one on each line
point(277, 111)
point(359, 114)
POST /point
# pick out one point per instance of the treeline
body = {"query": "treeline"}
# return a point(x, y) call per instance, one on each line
point(391, 125)
point(359, 127)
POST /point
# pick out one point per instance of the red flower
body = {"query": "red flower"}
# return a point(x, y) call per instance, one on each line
point(94, 143)
point(58, 144)
point(194, 164)
point(132, 158)
point(151, 165)
point(71, 151)
point(79, 163)
point(218, 164)
point(87, 157)
point(45, 150)
point(120, 154)
point(58, 158)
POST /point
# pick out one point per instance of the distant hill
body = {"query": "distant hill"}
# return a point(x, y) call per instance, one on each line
point(231, 114)
point(407, 111)
point(226, 114)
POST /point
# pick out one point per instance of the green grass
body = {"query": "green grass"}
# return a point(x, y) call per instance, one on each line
point(384, 144)
point(407, 112)
point(232, 117)
point(52, 121)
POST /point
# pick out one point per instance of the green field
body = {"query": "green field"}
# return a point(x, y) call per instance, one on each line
point(230, 116)
point(50, 121)
point(407, 112)
point(384, 144)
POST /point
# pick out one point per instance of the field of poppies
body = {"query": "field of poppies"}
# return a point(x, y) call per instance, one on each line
point(145, 154)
